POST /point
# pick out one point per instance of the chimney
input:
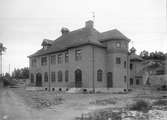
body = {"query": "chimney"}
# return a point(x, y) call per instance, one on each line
point(89, 24)
point(64, 30)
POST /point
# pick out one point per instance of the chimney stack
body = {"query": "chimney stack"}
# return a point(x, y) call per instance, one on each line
point(64, 30)
point(89, 24)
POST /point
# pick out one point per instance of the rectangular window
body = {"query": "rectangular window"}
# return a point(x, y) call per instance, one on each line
point(78, 55)
point(66, 57)
point(44, 61)
point(66, 75)
point(131, 66)
point(46, 77)
point(137, 81)
point(33, 62)
point(53, 59)
point(53, 76)
point(60, 76)
point(124, 64)
point(125, 79)
point(131, 81)
point(59, 59)
point(118, 60)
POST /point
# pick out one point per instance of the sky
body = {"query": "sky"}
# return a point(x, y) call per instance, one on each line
point(25, 23)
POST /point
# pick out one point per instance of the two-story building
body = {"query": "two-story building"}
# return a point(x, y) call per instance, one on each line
point(83, 58)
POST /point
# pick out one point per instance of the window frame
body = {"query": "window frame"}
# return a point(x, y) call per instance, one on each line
point(46, 77)
point(60, 58)
point(118, 60)
point(33, 62)
point(131, 66)
point(43, 61)
point(66, 56)
point(137, 82)
point(32, 78)
point(99, 75)
point(53, 59)
point(131, 81)
point(60, 76)
point(53, 76)
point(125, 64)
point(66, 75)
point(78, 55)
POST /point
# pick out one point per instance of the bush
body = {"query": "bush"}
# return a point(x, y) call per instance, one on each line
point(160, 102)
point(140, 105)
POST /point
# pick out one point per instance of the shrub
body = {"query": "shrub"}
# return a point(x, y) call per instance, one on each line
point(160, 102)
point(140, 105)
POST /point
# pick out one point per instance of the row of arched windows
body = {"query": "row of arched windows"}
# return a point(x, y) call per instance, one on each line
point(60, 76)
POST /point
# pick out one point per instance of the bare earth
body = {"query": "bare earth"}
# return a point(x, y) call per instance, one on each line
point(14, 105)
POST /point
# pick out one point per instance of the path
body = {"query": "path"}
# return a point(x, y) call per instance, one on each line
point(12, 107)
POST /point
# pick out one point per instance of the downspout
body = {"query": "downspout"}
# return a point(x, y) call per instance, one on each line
point(49, 74)
point(93, 69)
point(128, 71)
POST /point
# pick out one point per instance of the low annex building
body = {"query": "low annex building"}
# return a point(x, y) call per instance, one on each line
point(83, 58)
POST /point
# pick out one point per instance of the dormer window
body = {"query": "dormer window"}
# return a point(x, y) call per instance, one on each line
point(118, 44)
point(46, 44)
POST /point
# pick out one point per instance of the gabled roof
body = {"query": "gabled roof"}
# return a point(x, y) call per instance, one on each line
point(47, 42)
point(113, 35)
point(75, 38)
point(83, 36)
point(134, 57)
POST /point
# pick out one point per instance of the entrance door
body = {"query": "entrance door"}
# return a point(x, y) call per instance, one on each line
point(78, 78)
point(38, 80)
point(109, 80)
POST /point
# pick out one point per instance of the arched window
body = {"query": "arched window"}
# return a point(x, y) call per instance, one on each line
point(46, 77)
point(66, 75)
point(53, 76)
point(99, 75)
point(32, 78)
point(60, 76)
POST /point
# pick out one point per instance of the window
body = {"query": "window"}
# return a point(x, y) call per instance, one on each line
point(46, 77)
point(124, 64)
point(131, 66)
point(53, 76)
point(44, 61)
point(53, 59)
point(99, 75)
point(33, 62)
point(118, 60)
point(32, 78)
point(66, 57)
point(59, 59)
point(131, 81)
point(125, 79)
point(78, 55)
point(60, 76)
point(66, 75)
point(137, 82)
point(118, 44)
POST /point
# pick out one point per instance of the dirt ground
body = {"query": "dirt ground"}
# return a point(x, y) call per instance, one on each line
point(18, 104)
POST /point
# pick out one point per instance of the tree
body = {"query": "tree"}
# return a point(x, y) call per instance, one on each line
point(144, 54)
point(2, 49)
point(22, 73)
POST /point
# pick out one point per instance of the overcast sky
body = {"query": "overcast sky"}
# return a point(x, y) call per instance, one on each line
point(25, 23)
